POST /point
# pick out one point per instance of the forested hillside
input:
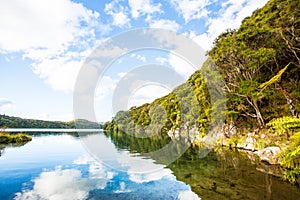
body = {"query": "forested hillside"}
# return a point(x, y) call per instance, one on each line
point(260, 66)
point(17, 122)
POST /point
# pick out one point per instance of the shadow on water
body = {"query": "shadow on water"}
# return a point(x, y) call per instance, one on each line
point(222, 174)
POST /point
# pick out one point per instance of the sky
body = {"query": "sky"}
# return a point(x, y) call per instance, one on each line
point(44, 44)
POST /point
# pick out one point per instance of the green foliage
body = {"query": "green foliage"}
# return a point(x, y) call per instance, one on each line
point(253, 56)
point(274, 79)
point(135, 144)
point(6, 138)
point(17, 122)
point(261, 144)
point(293, 176)
point(290, 158)
point(253, 60)
point(263, 51)
point(186, 106)
point(233, 142)
point(284, 124)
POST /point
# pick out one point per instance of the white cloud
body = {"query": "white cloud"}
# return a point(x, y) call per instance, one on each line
point(6, 104)
point(153, 176)
point(118, 13)
point(43, 24)
point(181, 66)
point(142, 7)
point(231, 16)
point(161, 60)
point(83, 160)
point(142, 170)
point(61, 184)
point(187, 195)
point(147, 93)
point(165, 24)
point(139, 57)
point(191, 9)
point(56, 35)
point(121, 74)
point(205, 40)
point(60, 73)
point(58, 184)
point(120, 19)
point(122, 188)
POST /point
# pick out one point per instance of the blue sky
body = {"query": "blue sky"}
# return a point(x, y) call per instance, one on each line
point(44, 43)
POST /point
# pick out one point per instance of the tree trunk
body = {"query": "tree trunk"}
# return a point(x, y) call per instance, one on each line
point(290, 102)
point(292, 106)
point(259, 116)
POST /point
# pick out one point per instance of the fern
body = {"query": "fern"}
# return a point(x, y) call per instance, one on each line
point(290, 158)
point(284, 125)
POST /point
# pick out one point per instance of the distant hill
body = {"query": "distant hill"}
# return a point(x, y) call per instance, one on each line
point(17, 122)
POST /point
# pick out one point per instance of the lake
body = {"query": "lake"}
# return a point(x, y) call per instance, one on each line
point(61, 166)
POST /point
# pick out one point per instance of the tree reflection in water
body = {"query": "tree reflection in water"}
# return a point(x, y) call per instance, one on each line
point(222, 174)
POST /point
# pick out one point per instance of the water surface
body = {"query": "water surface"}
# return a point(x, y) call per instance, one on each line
point(58, 166)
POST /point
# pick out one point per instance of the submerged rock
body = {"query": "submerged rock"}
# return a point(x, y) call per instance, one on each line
point(269, 155)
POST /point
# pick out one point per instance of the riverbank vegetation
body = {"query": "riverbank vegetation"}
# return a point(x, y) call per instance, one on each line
point(260, 67)
point(19, 138)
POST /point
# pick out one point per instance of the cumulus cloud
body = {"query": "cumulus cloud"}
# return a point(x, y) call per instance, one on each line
point(60, 73)
point(33, 24)
point(56, 35)
point(191, 9)
point(229, 17)
point(118, 13)
point(142, 7)
point(165, 24)
point(58, 184)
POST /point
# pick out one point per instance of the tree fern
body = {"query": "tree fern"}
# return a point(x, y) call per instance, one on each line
point(290, 157)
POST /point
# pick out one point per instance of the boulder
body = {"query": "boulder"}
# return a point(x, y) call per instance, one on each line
point(269, 155)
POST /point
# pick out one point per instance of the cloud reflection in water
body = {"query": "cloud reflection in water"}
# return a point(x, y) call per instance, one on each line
point(86, 178)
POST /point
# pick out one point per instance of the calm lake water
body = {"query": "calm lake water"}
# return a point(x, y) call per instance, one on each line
point(58, 166)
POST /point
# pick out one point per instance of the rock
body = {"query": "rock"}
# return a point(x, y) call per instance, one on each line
point(250, 141)
point(171, 133)
point(177, 134)
point(269, 154)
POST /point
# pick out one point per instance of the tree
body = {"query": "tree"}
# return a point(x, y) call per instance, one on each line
point(256, 52)
point(289, 98)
